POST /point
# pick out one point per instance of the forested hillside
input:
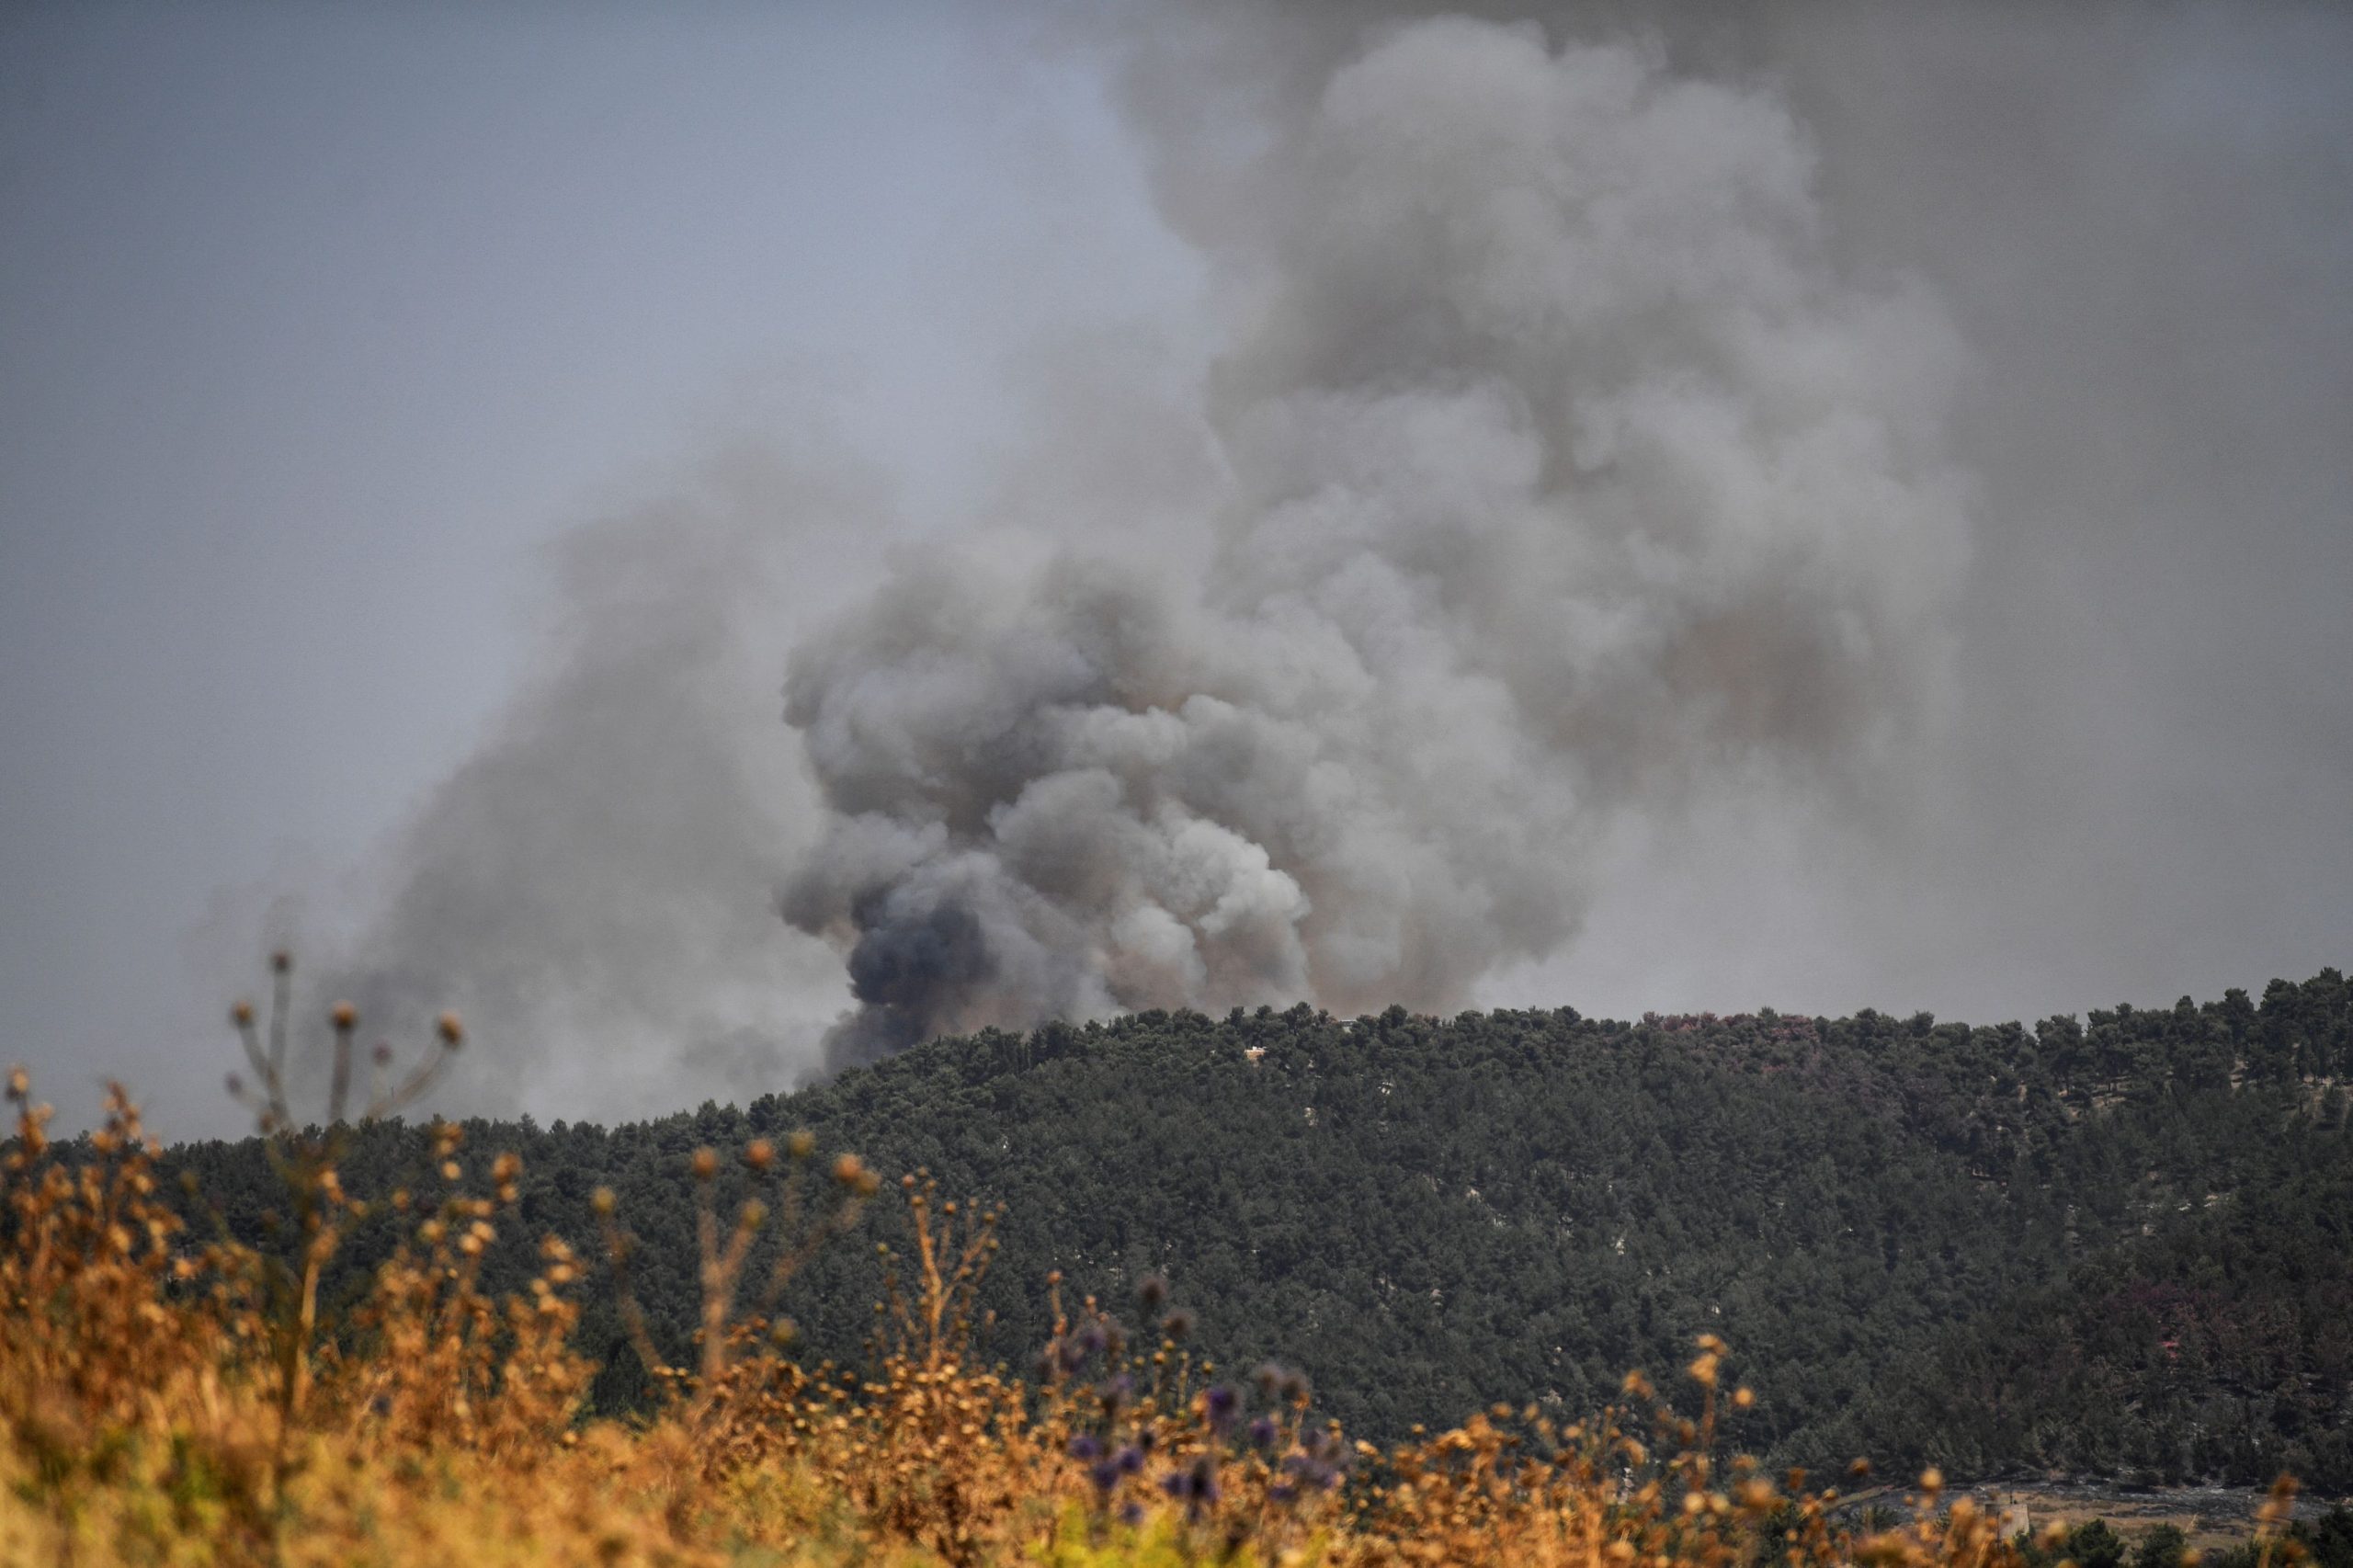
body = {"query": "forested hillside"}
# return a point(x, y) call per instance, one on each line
point(2123, 1245)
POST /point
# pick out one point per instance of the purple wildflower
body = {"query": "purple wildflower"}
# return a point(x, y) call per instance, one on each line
point(1204, 1483)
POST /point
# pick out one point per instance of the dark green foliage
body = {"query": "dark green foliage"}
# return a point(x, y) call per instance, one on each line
point(2327, 1542)
point(2125, 1248)
point(2329, 1539)
point(2161, 1547)
point(2094, 1544)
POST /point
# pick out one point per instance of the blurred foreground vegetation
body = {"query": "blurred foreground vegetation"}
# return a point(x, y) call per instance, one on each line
point(165, 1400)
point(718, 1339)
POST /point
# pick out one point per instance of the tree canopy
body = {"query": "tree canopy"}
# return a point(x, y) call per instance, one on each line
point(2120, 1246)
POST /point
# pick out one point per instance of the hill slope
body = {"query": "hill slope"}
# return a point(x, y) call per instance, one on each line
point(2121, 1247)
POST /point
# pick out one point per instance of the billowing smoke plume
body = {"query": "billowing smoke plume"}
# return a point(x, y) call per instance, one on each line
point(1566, 478)
point(1561, 471)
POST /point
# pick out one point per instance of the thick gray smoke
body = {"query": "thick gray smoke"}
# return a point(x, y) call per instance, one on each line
point(1561, 470)
point(2139, 218)
point(1568, 473)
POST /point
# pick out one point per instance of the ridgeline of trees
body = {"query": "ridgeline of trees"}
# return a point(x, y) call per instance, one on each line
point(2122, 1246)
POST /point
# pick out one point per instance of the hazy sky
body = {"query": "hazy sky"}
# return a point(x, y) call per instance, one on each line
point(318, 329)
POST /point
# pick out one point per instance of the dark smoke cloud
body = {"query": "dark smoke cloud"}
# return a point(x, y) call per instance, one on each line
point(1858, 491)
point(904, 973)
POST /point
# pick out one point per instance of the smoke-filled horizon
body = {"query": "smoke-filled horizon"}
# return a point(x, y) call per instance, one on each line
point(1784, 508)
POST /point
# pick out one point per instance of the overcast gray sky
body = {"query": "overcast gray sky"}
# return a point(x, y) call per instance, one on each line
point(318, 329)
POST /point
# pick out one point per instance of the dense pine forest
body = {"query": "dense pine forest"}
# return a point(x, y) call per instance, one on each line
point(2120, 1246)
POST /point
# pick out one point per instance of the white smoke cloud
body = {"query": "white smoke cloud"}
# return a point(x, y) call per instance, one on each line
point(1561, 470)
